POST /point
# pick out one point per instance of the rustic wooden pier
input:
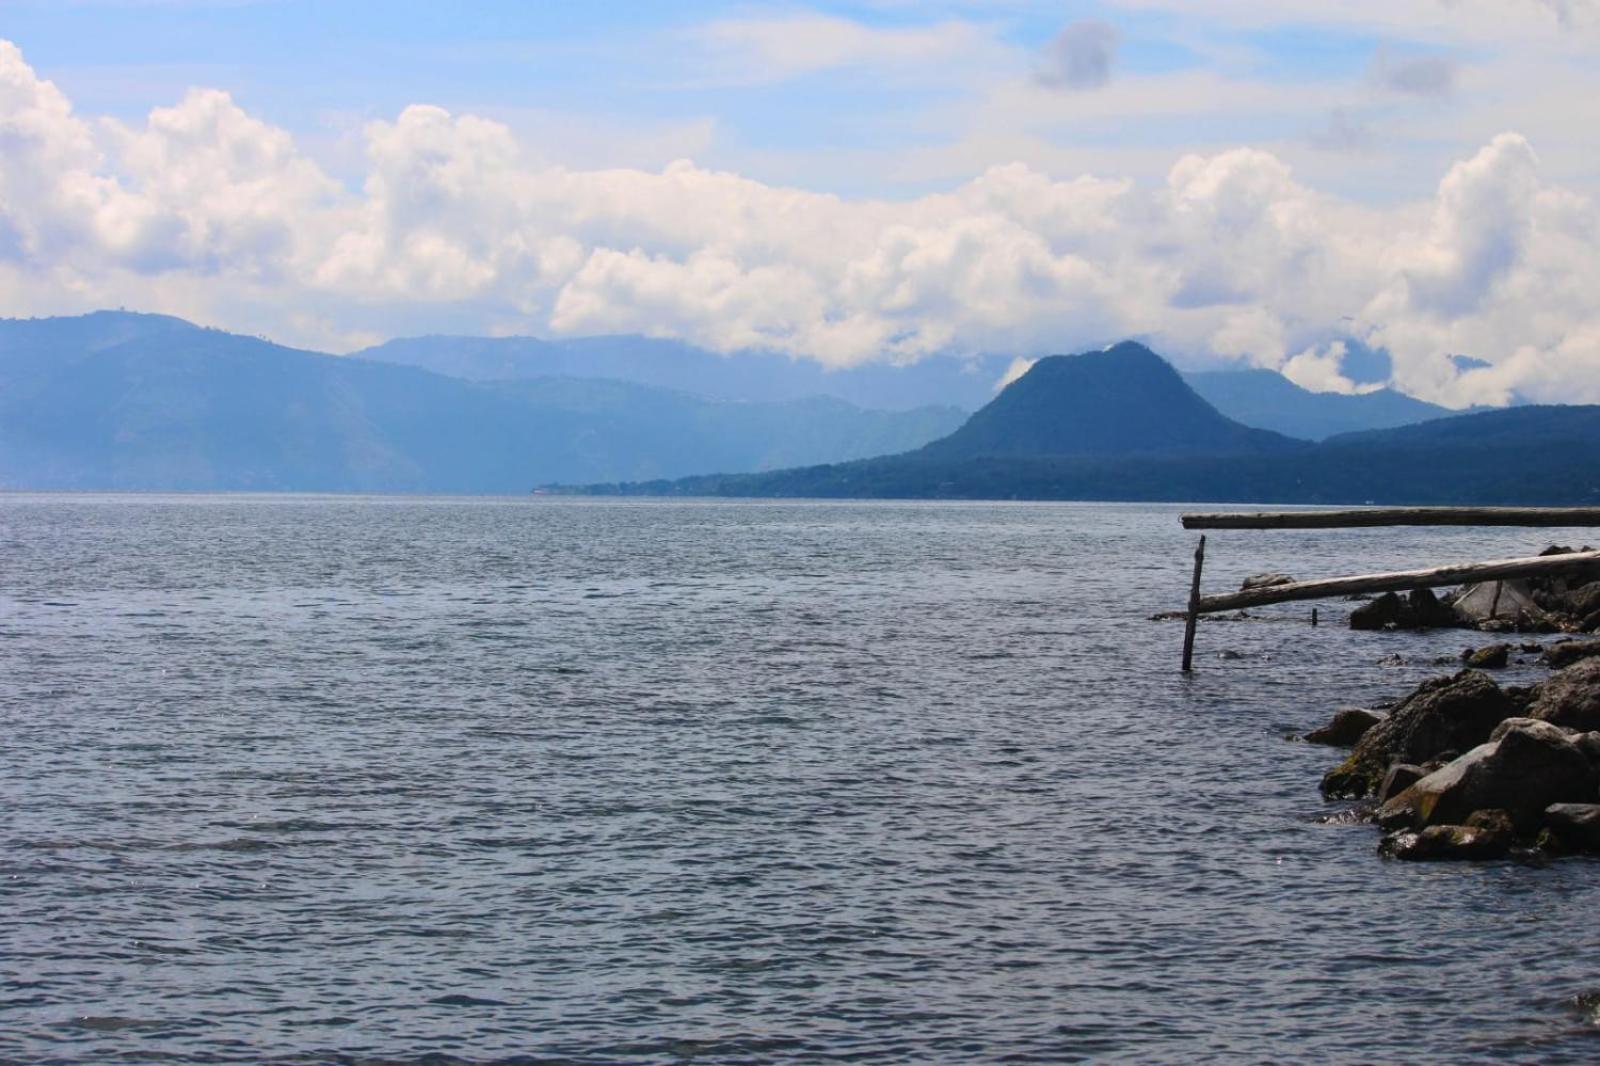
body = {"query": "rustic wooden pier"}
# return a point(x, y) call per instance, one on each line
point(1393, 581)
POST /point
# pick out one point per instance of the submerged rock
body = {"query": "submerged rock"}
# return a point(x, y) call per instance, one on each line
point(1489, 657)
point(1470, 842)
point(1347, 726)
point(1443, 714)
point(1525, 767)
point(1265, 581)
point(1570, 697)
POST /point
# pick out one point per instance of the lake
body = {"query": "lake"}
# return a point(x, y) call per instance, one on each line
point(306, 779)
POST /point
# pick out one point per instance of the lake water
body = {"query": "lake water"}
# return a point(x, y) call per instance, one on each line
point(427, 780)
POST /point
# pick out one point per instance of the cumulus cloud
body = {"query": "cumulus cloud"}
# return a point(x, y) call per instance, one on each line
point(1080, 56)
point(204, 210)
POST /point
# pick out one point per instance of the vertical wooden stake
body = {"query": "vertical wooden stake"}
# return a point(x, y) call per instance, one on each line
point(1194, 607)
point(1313, 616)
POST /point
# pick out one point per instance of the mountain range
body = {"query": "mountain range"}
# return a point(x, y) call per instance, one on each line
point(124, 401)
point(116, 400)
point(1122, 424)
point(1263, 399)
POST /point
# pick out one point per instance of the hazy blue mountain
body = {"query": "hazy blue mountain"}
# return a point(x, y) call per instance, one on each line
point(1125, 400)
point(1267, 399)
point(748, 376)
point(1527, 455)
point(116, 400)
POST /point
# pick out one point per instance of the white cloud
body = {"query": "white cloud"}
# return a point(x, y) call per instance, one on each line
point(208, 212)
point(765, 50)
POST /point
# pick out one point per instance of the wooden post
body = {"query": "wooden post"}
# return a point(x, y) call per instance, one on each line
point(1194, 607)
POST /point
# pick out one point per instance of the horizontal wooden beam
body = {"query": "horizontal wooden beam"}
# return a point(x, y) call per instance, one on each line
point(1397, 516)
point(1400, 581)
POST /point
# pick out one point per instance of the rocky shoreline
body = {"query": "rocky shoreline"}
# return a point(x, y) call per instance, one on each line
point(1463, 768)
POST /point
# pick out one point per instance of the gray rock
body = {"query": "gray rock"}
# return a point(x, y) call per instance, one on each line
point(1401, 776)
point(1570, 697)
point(1528, 766)
point(1348, 725)
point(1585, 600)
point(1443, 714)
point(1265, 581)
point(1576, 824)
point(1498, 601)
point(1561, 655)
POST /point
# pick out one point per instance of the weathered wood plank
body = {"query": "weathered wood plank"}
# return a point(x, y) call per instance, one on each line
point(1399, 581)
point(1547, 517)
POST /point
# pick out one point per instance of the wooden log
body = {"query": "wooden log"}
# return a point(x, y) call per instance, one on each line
point(1194, 607)
point(1400, 581)
point(1548, 517)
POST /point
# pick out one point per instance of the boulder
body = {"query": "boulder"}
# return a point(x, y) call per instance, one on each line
point(1401, 776)
point(1527, 766)
point(1347, 726)
point(1471, 842)
point(1577, 825)
point(1570, 697)
point(1420, 609)
point(1568, 652)
point(1265, 581)
point(1502, 601)
point(1444, 713)
point(1489, 657)
point(1584, 600)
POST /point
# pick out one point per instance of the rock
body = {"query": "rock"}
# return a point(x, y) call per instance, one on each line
point(1420, 609)
point(1576, 824)
point(1347, 726)
point(1498, 601)
point(1568, 652)
point(1528, 766)
point(1531, 647)
point(1378, 614)
point(1489, 657)
point(1447, 842)
point(1443, 713)
point(1265, 581)
point(1496, 821)
point(1570, 697)
point(1229, 655)
point(1584, 600)
point(1401, 776)
point(1392, 659)
point(1589, 744)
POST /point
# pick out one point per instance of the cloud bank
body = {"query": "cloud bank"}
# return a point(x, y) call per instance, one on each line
point(209, 212)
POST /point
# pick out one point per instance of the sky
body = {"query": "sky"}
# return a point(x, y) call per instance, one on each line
point(1238, 182)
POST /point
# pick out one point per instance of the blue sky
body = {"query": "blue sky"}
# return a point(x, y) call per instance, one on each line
point(1241, 181)
point(633, 83)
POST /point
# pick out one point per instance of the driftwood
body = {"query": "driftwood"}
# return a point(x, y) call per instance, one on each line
point(1398, 516)
point(1397, 581)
